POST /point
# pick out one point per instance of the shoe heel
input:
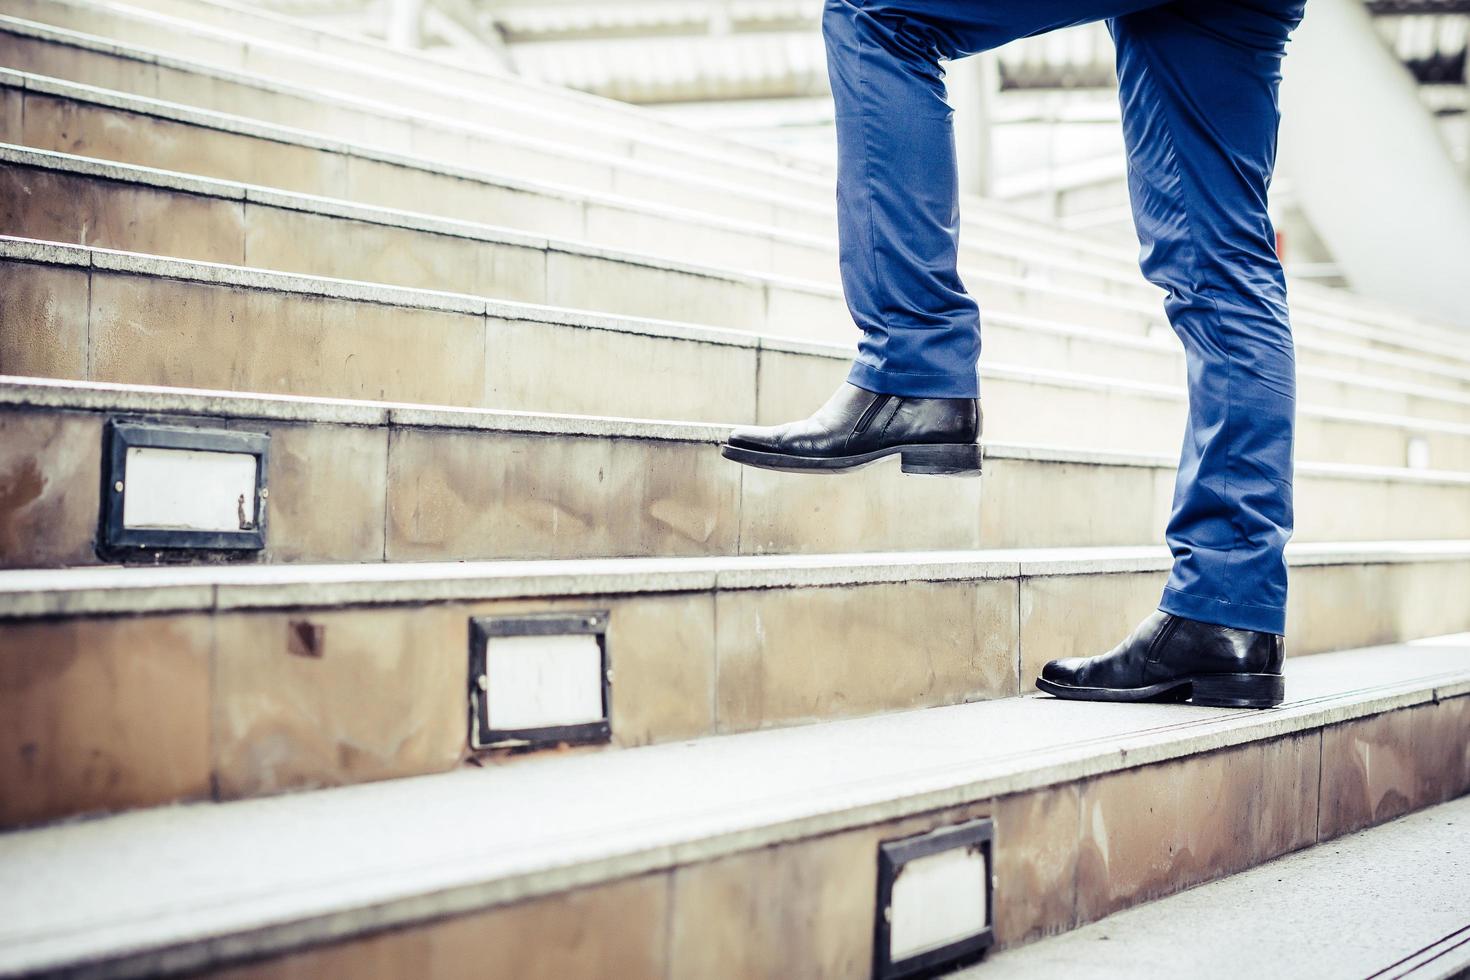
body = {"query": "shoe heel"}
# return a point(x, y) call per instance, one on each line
point(1238, 690)
point(962, 460)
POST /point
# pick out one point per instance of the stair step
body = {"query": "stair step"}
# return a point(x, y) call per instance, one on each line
point(96, 314)
point(63, 198)
point(371, 481)
point(687, 859)
point(1384, 902)
point(264, 678)
point(154, 52)
point(612, 218)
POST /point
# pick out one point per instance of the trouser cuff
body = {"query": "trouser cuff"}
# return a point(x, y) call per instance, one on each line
point(1237, 615)
point(914, 385)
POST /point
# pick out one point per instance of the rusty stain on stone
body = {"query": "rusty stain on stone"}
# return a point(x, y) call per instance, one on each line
point(305, 638)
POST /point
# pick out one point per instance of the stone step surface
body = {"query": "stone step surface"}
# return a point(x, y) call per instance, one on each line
point(374, 481)
point(1389, 901)
point(264, 679)
point(744, 244)
point(63, 198)
point(100, 315)
point(1095, 808)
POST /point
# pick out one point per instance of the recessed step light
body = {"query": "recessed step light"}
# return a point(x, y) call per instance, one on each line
point(539, 680)
point(934, 901)
point(182, 488)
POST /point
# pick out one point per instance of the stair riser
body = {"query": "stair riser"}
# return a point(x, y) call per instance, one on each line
point(64, 125)
point(59, 206)
point(413, 493)
point(70, 322)
point(229, 702)
point(473, 106)
point(1093, 274)
point(1065, 855)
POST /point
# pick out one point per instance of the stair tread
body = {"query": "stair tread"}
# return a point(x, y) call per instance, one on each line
point(28, 593)
point(1387, 901)
point(246, 277)
point(305, 867)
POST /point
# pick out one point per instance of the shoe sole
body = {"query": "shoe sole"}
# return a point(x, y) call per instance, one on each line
point(1205, 690)
point(927, 460)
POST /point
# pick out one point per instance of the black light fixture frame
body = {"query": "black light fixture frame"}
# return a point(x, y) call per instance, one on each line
point(115, 539)
point(892, 856)
point(483, 628)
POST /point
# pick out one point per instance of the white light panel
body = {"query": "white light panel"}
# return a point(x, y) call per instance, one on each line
point(937, 900)
point(188, 489)
point(543, 681)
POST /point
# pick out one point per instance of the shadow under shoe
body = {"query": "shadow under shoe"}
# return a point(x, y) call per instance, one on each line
point(939, 436)
point(1170, 658)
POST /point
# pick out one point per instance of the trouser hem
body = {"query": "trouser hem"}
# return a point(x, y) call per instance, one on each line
point(914, 385)
point(1236, 615)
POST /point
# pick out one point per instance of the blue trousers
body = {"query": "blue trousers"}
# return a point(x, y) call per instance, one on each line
point(1198, 85)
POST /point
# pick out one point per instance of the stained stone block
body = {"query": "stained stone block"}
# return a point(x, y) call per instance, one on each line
point(614, 930)
point(324, 698)
point(49, 475)
point(43, 320)
point(509, 495)
point(787, 657)
point(60, 207)
point(103, 714)
point(1036, 845)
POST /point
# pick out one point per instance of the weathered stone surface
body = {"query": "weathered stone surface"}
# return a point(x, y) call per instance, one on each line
point(1035, 851)
point(43, 320)
point(103, 714)
point(795, 656)
point(615, 930)
point(49, 474)
point(305, 699)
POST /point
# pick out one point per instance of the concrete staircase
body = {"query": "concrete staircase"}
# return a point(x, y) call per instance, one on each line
point(492, 334)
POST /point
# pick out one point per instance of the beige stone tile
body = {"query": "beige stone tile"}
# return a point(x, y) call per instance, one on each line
point(1370, 772)
point(328, 485)
point(76, 64)
point(1152, 831)
point(1428, 598)
point(1044, 505)
point(43, 320)
point(1035, 863)
point(639, 231)
point(800, 260)
point(160, 331)
point(50, 469)
point(613, 930)
point(296, 241)
point(60, 207)
point(798, 910)
point(803, 909)
point(1291, 778)
point(1081, 615)
point(877, 508)
point(534, 366)
point(507, 495)
point(662, 654)
point(1336, 607)
point(12, 102)
point(793, 386)
point(102, 714)
point(321, 698)
point(374, 182)
point(97, 131)
point(811, 315)
point(788, 656)
point(628, 289)
point(1441, 739)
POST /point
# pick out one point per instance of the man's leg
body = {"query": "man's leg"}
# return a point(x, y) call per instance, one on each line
point(1198, 83)
point(913, 387)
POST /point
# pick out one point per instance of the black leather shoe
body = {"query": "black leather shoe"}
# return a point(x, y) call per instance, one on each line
point(1170, 658)
point(857, 427)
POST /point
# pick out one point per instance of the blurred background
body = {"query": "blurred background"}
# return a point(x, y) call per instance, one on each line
point(1037, 122)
